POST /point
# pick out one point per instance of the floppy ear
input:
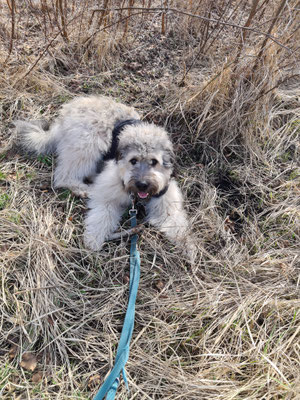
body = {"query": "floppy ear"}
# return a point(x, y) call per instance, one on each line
point(168, 158)
point(170, 162)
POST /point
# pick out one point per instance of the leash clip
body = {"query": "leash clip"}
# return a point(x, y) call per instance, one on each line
point(132, 210)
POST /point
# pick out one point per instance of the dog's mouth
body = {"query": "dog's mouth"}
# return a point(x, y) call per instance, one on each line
point(141, 191)
point(143, 195)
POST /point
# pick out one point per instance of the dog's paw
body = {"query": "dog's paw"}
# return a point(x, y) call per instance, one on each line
point(79, 190)
point(93, 240)
point(92, 243)
point(80, 193)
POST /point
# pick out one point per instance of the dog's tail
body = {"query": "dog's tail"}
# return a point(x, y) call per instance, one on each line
point(35, 136)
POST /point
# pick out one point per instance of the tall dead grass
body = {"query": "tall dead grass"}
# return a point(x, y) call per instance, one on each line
point(223, 77)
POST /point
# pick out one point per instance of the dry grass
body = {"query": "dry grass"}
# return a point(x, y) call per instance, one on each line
point(227, 328)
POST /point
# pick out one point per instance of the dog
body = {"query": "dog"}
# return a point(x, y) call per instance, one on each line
point(107, 153)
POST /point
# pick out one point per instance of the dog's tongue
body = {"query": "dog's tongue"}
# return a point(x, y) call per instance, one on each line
point(143, 195)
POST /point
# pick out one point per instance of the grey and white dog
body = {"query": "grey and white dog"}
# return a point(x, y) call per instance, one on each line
point(136, 160)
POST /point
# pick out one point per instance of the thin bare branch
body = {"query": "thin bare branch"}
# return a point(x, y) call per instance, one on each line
point(177, 11)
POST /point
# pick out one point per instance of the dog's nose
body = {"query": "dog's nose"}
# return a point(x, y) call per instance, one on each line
point(142, 186)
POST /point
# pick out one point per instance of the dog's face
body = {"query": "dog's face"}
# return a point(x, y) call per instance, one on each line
point(145, 174)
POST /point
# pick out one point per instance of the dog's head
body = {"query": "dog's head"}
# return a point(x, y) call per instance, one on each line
point(144, 159)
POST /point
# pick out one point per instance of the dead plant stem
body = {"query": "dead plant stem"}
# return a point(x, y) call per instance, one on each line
point(177, 11)
point(11, 6)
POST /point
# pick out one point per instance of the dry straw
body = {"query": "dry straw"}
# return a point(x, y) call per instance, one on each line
point(223, 77)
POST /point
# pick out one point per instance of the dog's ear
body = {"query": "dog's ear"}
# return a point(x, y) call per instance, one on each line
point(170, 162)
point(168, 159)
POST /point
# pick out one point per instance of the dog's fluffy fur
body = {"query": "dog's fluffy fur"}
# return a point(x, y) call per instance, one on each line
point(81, 136)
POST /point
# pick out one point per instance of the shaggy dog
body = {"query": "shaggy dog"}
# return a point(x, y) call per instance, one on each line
point(135, 160)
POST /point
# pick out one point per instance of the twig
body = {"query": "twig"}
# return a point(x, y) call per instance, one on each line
point(280, 82)
point(280, 8)
point(131, 3)
point(43, 52)
point(203, 43)
point(175, 10)
point(63, 20)
point(38, 59)
point(164, 20)
point(109, 26)
point(247, 24)
point(11, 7)
point(127, 232)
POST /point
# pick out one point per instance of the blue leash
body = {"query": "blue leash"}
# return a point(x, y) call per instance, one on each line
point(110, 385)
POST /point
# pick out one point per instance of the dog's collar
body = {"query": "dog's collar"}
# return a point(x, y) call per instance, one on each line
point(162, 192)
point(112, 151)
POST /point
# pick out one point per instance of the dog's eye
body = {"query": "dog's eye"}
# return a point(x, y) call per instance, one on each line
point(153, 162)
point(133, 161)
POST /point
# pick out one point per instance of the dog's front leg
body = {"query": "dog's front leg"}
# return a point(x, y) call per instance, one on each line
point(167, 214)
point(101, 221)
